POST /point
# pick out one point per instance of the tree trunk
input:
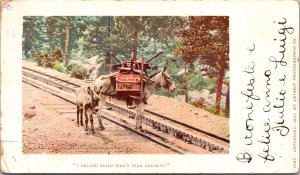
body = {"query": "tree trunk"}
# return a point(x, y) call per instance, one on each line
point(135, 45)
point(186, 82)
point(227, 102)
point(67, 41)
point(220, 80)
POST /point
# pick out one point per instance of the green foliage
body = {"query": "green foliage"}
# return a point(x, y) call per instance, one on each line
point(149, 28)
point(55, 26)
point(29, 24)
point(59, 67)
point(77, 71)
point(78, 51)
point(47, 60)
point(213, 110)
point(211, 85)
point(159, 28)
point(206, 38)
point(90, 36)
point(199, 103)
point(195, 81)
point(100, 60)
point(70, 67)
point(165, 92)
point(39, 58)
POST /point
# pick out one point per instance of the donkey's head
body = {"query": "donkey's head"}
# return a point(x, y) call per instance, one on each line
point(93, 98)
point(164, 79)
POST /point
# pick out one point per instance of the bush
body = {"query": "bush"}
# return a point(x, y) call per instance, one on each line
point(47, 60)
point(195, 81)
point(100, 59)
point(59, 67)
point(165, 92)
point(211, 85)
point(77, 71)
point(213, 110)
point(199, 103)
point(70, 67)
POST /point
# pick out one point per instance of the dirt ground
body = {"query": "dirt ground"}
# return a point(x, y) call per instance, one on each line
point(178, 110)
point(49, 126)
point(53, 128)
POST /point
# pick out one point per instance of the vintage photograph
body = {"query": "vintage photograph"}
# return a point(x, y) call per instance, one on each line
point(149, 86)
point(125, 85)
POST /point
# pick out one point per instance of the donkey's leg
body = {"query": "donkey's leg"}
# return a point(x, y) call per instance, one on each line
point(101, 104)
point(86, 122)
point(139, 115)
point(91, 120)
point(101, 127)
point(141, 106)
point(81, 113)
point(78, 111)
point(142, 115)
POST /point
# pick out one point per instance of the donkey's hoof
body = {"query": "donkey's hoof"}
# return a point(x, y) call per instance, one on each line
point(81, 123)
point(86, 132)
point(102, 128)
point(77, 124)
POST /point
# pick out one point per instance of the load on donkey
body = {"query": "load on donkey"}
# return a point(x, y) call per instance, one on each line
point(131, 84)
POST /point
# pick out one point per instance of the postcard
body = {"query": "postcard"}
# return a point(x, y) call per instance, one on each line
point(149, 86)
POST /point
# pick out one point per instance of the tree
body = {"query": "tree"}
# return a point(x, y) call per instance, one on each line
point(67, 40)
point(29, 26)
point(206, 40)
point(227, 102)
point(36, 28)
point(132, 25)
point(43, 34)
point(146, 28)
point(55, 32)
point(100, 37)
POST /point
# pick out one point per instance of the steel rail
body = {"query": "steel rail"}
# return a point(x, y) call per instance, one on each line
point(188, 126)
point(154, 124)
point(110, 119)
point(171, 130)
point(50, 76)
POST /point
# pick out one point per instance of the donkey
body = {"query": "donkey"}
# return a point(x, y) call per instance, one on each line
point(85, 102)
point(103, 87)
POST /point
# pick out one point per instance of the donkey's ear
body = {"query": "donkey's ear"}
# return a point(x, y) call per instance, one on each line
point(165, 67)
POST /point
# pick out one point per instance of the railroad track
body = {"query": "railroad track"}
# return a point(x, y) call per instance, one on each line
point(60, 94)
point(159, 123)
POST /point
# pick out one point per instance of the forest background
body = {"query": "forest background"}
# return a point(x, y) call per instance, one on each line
point(196, 48)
